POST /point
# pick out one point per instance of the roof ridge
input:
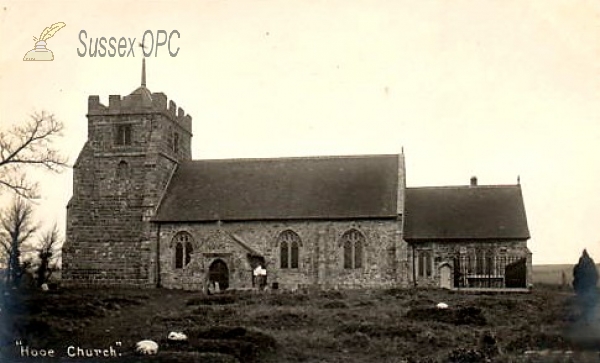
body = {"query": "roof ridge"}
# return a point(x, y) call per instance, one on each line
point(279, 158)
point(487, 186)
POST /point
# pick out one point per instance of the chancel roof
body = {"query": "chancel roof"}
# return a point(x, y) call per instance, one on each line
point(465, 212)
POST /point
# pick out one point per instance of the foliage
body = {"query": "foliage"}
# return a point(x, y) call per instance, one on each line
point(585, 275)
point(16, 228)
point(29, 144)
point(47, 250)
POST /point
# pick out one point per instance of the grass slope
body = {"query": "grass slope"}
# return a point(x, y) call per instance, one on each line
point(394, 325)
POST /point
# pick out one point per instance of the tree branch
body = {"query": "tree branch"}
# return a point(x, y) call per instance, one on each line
point(29, 145)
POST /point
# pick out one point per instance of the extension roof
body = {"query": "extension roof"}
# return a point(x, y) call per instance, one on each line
point(465, 212)
point(332, 187)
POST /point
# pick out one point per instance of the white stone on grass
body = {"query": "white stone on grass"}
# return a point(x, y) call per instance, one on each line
point(442, 305)
point(45, 287)
point(146, 347)
point(177, 336)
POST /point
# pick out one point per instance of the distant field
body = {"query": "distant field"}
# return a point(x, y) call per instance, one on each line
point(552, 274)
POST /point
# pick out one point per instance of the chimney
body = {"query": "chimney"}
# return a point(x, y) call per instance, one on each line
point(473, 181)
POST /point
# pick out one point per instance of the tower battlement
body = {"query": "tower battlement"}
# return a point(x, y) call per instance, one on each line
point(141, 101)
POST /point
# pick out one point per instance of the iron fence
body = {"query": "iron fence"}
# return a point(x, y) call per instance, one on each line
point(490, 271)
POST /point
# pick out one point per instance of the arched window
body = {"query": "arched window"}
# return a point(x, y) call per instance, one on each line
point(188, 252)
point(122, 170)
point(358, 254)
point(289, 249)
point(353, 243)
point(284, 254)
point(183, 249)
point(294, 255)
point(178, 255)
point(347, 254)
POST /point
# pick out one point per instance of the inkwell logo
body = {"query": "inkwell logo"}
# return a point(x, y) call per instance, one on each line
point(40, 52)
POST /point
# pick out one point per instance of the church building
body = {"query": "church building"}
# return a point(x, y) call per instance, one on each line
point(145, 214)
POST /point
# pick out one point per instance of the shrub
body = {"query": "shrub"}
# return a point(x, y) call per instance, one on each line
point(585, 275)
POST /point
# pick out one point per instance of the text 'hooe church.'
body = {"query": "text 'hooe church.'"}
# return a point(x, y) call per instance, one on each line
point(143, 213)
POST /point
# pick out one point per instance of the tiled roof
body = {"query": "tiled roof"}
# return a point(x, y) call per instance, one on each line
point(334, 187)
point(465, 212)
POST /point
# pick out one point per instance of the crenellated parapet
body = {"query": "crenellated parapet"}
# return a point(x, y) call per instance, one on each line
point(139, 102)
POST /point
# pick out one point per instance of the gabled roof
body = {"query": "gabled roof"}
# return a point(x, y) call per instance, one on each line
point(333, 187)
point(465, 212)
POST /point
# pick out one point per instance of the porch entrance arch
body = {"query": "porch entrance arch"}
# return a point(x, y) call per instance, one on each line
point(218, 272)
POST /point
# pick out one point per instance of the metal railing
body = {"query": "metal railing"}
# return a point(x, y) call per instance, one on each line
point(490, 271)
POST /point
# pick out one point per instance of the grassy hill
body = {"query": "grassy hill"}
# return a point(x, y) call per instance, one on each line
point(354, 326)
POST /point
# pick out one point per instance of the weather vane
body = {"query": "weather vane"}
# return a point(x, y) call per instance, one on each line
point(141, 45)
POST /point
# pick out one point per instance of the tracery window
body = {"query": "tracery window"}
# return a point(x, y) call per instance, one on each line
point(353, 242)
point(289, 245)
point(183, 249)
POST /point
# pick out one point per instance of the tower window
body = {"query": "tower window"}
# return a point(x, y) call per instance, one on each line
point(170, 138)
point(122, 170)
point(176, 142)
point(123, 135)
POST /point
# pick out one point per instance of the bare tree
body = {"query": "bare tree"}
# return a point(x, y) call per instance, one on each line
point(16, 227)
point(29, 144)
point(47, 252)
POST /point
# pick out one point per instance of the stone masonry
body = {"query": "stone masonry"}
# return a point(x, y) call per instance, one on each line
point(445, 252)
point(385, 255)
point(117, 185)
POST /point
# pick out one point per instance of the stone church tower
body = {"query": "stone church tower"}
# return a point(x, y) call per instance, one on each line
point(144, 214)
point(133, 147)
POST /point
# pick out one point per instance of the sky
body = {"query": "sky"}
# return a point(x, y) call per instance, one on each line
point(493, 89)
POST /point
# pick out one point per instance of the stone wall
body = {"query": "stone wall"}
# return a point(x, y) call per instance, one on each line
point(445, 252)
point(116, 189)
point(385, 256)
